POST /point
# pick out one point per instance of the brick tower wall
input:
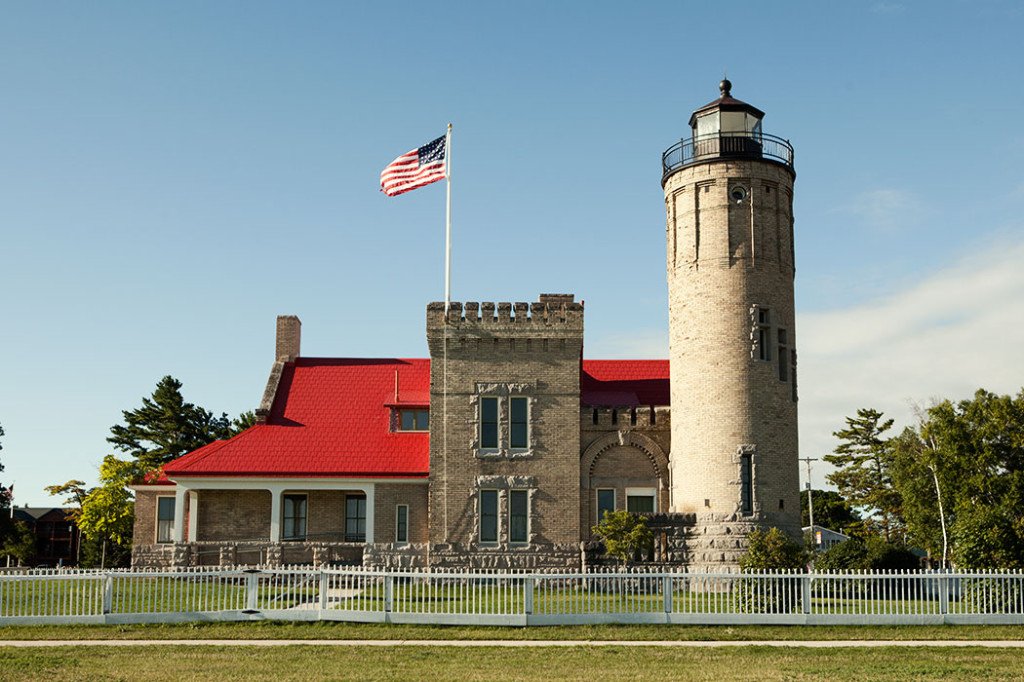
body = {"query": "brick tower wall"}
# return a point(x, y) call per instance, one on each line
point(726, 261)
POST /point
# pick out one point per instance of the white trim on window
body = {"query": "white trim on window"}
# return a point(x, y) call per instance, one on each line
point(597, 501)
point(169, 537)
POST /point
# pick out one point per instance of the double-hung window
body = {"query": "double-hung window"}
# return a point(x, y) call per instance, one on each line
point(488, 516)
point(605, 502)
point(518, 516)
point(489, 423)
point(355, 518)
point(294, 517)
point(164, 519)
point(518, 423)
point(402, 523)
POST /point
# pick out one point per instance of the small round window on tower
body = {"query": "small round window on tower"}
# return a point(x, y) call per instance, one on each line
point(738, 194)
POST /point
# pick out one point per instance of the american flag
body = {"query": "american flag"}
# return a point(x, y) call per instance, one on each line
point(414, 169)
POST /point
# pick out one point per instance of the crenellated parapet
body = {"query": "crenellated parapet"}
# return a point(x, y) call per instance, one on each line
point(532, 325)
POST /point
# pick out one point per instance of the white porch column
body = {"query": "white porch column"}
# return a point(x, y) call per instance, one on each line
point(275, 514)
point(179, 512)
point(193, 515)
point(369, 513)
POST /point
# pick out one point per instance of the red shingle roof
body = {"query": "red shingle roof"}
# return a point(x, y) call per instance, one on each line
point(332, 418)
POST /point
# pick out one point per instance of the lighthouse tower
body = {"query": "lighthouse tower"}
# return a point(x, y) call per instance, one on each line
point(732, 337)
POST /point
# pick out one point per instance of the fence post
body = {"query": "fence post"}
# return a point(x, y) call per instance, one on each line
point(806, 585)
point(323, 590)
point(666, 588)
point(252, 588)
point(528, 595)
point(389, 592)
point(108, 593)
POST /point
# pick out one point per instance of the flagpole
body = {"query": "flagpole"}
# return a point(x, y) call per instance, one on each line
point(447, 305)
point(448, 221)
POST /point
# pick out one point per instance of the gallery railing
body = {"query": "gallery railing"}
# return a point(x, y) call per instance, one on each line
point(716, 146)
point(510, 597)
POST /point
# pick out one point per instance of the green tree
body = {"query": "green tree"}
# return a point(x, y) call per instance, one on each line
point(19, 542)
point(7, 526)
point(862, 461)
point(166, 427)
point(163, 428)
point(772, 550)
point(624, 534)
point(831, 511)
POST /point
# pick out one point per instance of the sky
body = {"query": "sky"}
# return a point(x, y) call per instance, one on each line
point(175, 175)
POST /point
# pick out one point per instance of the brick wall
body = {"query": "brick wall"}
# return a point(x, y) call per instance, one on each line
point(505, 350)
point(236, 515)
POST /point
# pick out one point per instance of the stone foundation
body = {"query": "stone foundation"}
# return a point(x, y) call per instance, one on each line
point(247, 554)
point(547, 556)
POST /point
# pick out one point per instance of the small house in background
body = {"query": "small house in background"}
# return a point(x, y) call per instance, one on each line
point(58, 539)
point(823, 538)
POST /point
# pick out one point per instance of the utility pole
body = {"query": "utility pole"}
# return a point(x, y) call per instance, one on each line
point(810, 500)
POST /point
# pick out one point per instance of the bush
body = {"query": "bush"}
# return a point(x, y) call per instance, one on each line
point(772, 549)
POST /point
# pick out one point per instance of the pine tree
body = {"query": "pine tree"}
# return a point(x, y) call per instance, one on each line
point(862, 460)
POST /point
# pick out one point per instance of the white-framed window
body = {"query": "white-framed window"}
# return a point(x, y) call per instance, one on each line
point(402, 523)
point(605, 502)
point(488, 516)
point(413, 420)
point(519, 516)
point(294, 509)
point(641, 500)
point(489, 433)
point(165, 519)
point(355, 518)
point(519, 423)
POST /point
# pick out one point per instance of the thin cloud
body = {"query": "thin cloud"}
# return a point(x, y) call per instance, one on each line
point(887, 209)
point(946, 336)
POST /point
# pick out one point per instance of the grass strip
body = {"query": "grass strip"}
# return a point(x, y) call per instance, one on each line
point(593, 664)
point(335, 630)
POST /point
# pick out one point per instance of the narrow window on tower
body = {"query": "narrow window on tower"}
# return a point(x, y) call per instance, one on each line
point(783, 356)
point(792, 356)
point(518, 423)
point(746, 485)
point(489, 423)
point(764, 334)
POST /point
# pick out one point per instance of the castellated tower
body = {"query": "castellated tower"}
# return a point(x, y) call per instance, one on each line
point(505, 433)
point(732, 337)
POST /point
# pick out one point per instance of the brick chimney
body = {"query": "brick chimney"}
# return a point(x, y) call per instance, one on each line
point(289, 334)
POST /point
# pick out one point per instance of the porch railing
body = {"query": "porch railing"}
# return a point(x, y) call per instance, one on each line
point(510, 597)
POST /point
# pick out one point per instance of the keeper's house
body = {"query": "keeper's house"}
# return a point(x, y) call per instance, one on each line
point(355, 461)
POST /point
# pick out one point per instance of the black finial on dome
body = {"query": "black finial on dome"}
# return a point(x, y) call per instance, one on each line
point(725, 87)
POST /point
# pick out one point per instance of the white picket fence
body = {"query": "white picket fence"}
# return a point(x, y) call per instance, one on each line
point(510, 597)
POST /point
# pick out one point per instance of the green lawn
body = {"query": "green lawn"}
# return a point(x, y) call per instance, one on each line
point(328, 630)
point(593, 664)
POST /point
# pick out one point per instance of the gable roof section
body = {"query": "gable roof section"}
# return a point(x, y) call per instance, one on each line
point(330, 418)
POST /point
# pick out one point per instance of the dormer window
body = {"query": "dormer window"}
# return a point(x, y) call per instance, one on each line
point(414, 420)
